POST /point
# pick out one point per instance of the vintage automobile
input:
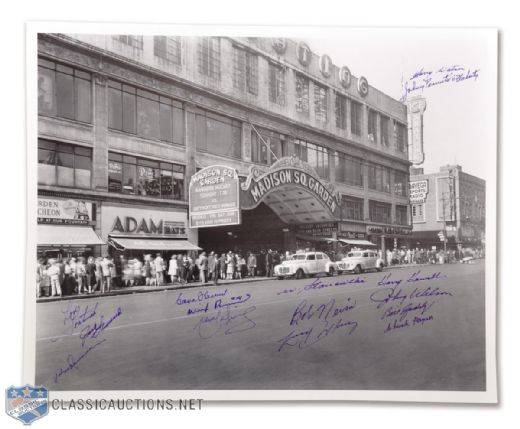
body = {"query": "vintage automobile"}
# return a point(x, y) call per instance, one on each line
point(304, 264)
point(358, 261)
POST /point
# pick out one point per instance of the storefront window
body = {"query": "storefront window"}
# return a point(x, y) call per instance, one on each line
point(131, 175)
point(64, 91)
point(63, 164)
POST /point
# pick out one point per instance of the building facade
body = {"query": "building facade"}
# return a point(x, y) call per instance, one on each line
point(449, 204)
point(125, 121)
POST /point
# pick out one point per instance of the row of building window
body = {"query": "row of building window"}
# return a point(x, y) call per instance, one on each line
point(67, 165)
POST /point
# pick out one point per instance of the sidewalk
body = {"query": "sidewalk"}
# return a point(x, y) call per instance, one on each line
point(145, 289)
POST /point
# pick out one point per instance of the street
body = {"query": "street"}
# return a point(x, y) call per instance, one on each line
point(413, 328)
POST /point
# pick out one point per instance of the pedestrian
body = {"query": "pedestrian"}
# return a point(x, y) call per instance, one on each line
point(216, 269)
point(90, 271)
point(138, 270)
point(230, 266)
point(251, 264)
point(223, 266)
point(40, 276)
point(173, 270)
point(54, 273)
point(147, 270)
point(203, 267)
point(211, 265)
point(106, 268)
point(269, 263)
point(159, 269)
point(81, 275)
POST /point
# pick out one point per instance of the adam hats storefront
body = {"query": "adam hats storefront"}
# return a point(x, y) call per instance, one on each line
point(137, 230)
point(66, 228)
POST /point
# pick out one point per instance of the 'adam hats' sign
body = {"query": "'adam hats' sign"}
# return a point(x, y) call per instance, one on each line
point(214, 197)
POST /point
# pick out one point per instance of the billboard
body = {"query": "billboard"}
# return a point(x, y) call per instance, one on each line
point(64, 212)
point(418, 191)
point(214, 197)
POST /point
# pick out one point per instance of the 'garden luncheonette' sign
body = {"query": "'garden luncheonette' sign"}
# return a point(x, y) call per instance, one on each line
point(287, 172)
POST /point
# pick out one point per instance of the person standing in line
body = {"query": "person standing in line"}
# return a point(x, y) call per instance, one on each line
point(222, 266)
point(147, 270)
point(211, 265)
point(159, 269)
point(216, 269)
point(203, 267)
point(81, 275)
point(40, 275)
point(251, 264)
point(230, 266)
point(90, 271)
point(54, 273)
point(172, 269)
point(269, 263)
point(106, 268)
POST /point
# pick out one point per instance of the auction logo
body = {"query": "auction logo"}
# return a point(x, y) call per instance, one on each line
point(27, 403)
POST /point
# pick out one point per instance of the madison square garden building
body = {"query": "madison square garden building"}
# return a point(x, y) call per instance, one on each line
point(271, 145)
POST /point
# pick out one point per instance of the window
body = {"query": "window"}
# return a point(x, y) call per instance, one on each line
point(341, 111)
point(133, 41)
point(372, 125)
point(167, 48)
point(316, 156)
point(64, 92)
point(218, 134)
point(245, 77)
point(267, 151)
point(400, 136)
point(144, 113)
point(64, 164)
point(311, 257)
point(385, 123)
point(418, 213)
point(352, 208)
point(400, 183)
point(348, 169)
point(380, 212)
point(320, 103)
point(302, 94)
point(276, 84)
point(401, 215)
point(209, 57)
point(379, 178)
point(137, 176)
point(355, 117)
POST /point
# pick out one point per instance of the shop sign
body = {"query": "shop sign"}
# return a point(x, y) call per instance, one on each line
point(363, 86)
point(303, 53)
point(345, 76)
point(354, 235)
point(418, 191)
point(214, 197)
point(325, 65)
point(64, 212)
point(318, 229)
point(287, 172)
point(388, 230)
point(142, 222)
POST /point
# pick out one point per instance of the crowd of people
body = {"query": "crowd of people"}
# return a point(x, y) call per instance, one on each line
point(82, 275)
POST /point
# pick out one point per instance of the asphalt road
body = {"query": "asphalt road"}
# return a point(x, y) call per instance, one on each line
point(317, 333)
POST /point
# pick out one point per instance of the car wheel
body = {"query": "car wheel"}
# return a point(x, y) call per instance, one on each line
point(280, 277)
point(299, 274)
point(379, 268)
point(331, 272)
point(358, 269)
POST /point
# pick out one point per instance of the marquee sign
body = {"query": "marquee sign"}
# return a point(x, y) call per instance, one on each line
point(287, 172)
point(214, 197)
point(418, 191)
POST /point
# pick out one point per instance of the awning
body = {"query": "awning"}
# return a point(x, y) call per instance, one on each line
point(151, 244)
point(356, 242)
point(314, 239)
point(67, 235)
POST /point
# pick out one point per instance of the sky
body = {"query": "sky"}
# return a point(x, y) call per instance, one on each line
point(460, 117)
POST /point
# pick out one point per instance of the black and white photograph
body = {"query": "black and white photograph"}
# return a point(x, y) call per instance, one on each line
point(262, 212)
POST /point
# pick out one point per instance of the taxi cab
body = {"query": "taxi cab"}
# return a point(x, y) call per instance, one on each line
point(304, 264)
point(358, 261)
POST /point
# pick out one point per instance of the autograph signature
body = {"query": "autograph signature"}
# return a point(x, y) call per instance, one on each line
point(227, 320)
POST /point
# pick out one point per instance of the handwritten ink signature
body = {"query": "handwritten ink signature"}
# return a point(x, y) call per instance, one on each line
point(227, 320)
point(75, 317)
point(73, 362)
point(318, 284)
point(94, 330)
point(423, 79)
point(325, 321)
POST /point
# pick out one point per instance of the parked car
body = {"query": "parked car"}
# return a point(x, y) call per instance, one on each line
point(358, 261)
point(304, 264)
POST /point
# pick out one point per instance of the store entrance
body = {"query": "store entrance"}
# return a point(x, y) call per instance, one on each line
point(261, 229)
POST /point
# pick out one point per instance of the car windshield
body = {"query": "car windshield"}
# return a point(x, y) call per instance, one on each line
point(298, 257)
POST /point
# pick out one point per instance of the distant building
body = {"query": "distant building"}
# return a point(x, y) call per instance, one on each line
point(449, 201)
